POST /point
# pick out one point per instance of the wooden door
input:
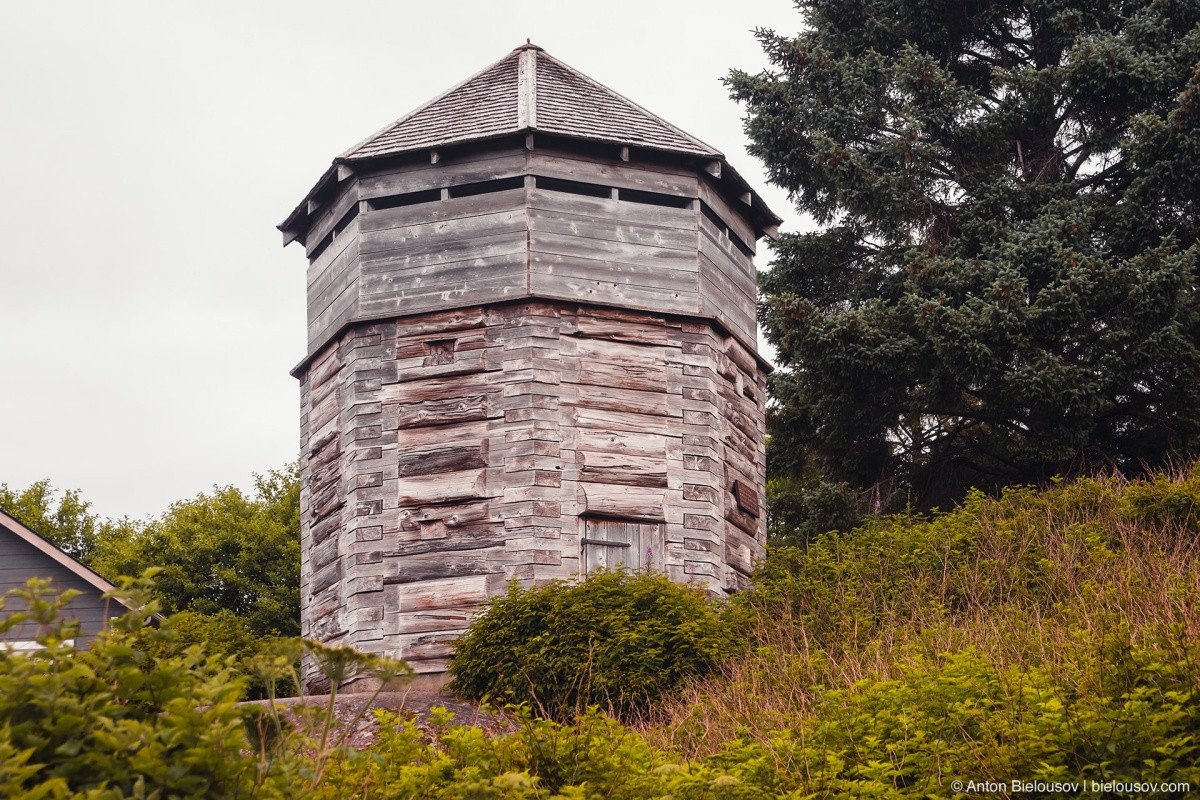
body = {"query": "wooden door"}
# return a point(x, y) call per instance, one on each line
point(622, 544)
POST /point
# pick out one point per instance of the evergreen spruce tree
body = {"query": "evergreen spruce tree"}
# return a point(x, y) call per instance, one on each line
point(1002, 285)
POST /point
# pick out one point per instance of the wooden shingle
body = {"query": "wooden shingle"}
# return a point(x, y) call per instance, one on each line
point(528, 90)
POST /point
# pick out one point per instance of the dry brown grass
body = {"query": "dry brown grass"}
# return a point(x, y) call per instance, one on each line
point(1026, 580)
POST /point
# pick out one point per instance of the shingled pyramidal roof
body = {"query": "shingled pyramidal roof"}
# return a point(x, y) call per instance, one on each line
point(529, 90)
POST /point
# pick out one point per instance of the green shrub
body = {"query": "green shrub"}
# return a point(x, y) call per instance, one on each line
point(222, 636)
point(594, 757)
point(1113, 712)
point(620, 640)
point(111, 721)
point(143, 714)
point(1165, 501)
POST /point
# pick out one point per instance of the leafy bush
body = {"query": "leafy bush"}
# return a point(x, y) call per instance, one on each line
point(224, 635)
point(594, 757)
point(1114, 712)
point(139, 714)
point(1165, 502)
point(111, 721)
point(619, 639)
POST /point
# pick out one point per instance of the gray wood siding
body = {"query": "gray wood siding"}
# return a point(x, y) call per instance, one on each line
point(333, 287)
point(725, 210)
point(20, 561)
point(612, 252)
point(728, 283)
point(415, 178)
point(321, 224)
point(643, 176)
point(414, 247)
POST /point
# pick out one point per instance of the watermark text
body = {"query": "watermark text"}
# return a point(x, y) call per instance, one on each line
point(1020, 786)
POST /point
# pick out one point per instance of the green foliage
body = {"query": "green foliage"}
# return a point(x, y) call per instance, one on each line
point(594, 757)
point(960, 716)
point(1165, 503)
point(799, 511)
point(1024, 550)
point(139, 715)
point(1042, 636)
point(1003, 286)
point(307, 752)
point(67, 523)
point(618, 639)
point(225, 635)
point(228, 562)
point(224, 553)
point(111, 721)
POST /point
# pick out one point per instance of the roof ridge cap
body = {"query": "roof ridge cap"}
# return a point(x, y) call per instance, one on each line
point(527, 59)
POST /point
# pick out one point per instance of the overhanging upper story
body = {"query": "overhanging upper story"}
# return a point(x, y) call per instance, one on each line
point(529, 180)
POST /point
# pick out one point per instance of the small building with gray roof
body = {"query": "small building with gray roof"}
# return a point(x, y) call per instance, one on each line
point(24, 555)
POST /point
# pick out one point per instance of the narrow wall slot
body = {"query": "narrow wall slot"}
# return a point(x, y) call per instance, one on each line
point(654, 198)
point(573, 187)
point(487, 187)
point(406, 199)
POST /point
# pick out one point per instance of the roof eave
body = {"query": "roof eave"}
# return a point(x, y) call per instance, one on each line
point(290, 226)
point(765, 219)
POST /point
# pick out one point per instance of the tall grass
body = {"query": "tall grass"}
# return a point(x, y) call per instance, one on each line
point(1081, 584)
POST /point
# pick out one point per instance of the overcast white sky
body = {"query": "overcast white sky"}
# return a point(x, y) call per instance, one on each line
point(148, 314)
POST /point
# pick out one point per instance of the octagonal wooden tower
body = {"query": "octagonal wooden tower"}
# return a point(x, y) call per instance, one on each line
point(531, 353)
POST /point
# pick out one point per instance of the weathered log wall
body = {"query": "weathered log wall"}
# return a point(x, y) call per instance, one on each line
point(450, 452)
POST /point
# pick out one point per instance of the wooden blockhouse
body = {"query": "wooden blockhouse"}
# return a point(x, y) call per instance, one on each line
point(531, 354)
